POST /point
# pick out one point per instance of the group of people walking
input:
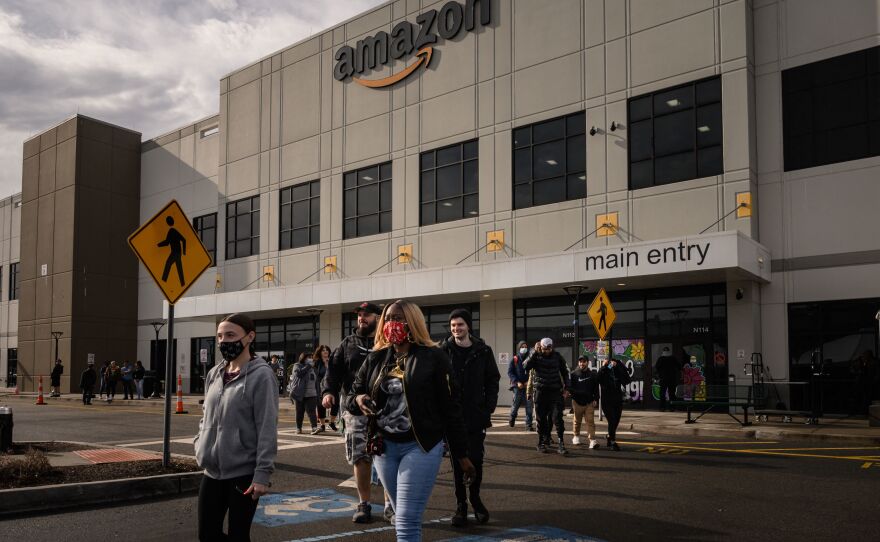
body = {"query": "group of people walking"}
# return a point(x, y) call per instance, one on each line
point(108, 376)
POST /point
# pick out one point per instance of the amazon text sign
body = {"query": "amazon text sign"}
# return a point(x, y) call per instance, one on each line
point(406, 38)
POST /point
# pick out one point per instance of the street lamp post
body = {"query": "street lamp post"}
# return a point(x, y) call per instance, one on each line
point(157, 325)
point(574, 291)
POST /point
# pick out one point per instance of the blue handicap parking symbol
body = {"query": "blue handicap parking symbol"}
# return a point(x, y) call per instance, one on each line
point(528, 534)
point(279, 509)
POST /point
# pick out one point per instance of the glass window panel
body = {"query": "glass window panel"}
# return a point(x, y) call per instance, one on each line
point(549, 160)
point(385, 171)
point(471, 182)
point(641, 140)
point(427, 186)
point(243, 227)
point(368, 200)
point(350, 203)
point(709, 91)
point(315, 235)
point(798, 151)
point(576, 124)
point(428, 216)
point(243, 248)
point(842, 144)
point(316, 188)
point(385, 221)
point(710, 162)
point(449, 155)
point(301, 214)
point(522, 165)
point(676, 167)
point(255, 203)
point(522, 136)
point(471, 205)
point(449, 209)
point(285, 218)
point(285, 195)
point(230, 250)
point(522, 196)
point(874, 138)
point(549, 191)
point(350, 228)
point(285, 240)
point(709, 125)
point(577, 186)
point(385, 196)
point(427, 160)
point(301, 237)
point(842, 104)
point(576, 157)
point(368, 225)
point(640, 109)
point(368, 175)
point(255, 245)
point(470, 150)
point(210, 220)
point(673, 100)
point(300, 191)
point(448, 181)
point(674, 133)
point(874, 97)
point(315, 211)
point(547, 131)
point(243, 206)
point(839, 69)
point(351, 179)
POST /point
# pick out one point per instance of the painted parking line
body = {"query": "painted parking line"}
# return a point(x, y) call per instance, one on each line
point(527, 534)
point(345, 534)
point(533, 433)
point(795, 452)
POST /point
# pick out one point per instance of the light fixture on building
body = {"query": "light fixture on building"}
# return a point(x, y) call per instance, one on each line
point(593, 130)
point(367, 178)
point(552, 162)
point(621, 284)
point(703, 129)
point(583, 177)
point(673, 102)
point(447, 204)
point(613, 126)
point(485, 295)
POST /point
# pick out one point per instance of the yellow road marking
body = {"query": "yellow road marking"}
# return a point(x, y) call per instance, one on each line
point(816, 449)
point(756, 452)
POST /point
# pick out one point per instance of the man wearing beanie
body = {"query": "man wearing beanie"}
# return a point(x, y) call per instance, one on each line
point(551, 381)
point(477, 376)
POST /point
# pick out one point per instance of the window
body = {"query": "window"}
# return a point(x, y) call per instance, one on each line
point(243, 228)
point(206, 227)
point(287, 337)
point(550, 161)
point(675, 134)
point(831, 110)
point(367, 201)
point(300, 215)
point(13, 281)
point(448, 183)
point(11, 367)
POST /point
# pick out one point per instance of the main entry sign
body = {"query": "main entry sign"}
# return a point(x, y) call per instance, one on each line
point(602, 314)
point(171, 250)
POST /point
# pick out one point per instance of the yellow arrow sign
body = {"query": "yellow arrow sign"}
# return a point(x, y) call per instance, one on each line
point(602, 314)
point(171, 250)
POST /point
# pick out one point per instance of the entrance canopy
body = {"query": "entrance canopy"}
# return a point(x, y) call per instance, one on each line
point(716, 257)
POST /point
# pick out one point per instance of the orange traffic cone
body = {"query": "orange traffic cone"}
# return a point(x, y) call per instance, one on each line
point(180, 396)
point(40, 393)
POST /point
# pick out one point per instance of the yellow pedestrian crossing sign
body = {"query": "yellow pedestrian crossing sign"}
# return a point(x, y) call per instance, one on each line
point(602, 314)
point(171, 250)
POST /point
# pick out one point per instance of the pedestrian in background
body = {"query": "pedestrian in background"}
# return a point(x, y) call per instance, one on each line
point(667, 369)
point(476, 375)
point(304, 392)
point(584, 400)
point(518, 381)
point(102, 378)
point(551, 382)
point(276, 366)
point(613, 376)
point(87, 381)
point(138, 376)
point(57, 371)
point(112, 377)
point(127, 380)
point(321, 358)
point(237, 439)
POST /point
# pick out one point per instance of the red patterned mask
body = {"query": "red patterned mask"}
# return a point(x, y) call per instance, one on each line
point(395, 332)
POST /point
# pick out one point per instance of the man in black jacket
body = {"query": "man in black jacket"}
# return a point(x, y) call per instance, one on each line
point(584, 397)
point(667, 369)
point(87, 383)
point(612, 377)
point(344, 364)
point(477, 376)
point(551, 383)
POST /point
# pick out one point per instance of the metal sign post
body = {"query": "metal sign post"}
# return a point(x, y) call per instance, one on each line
point(169, 377)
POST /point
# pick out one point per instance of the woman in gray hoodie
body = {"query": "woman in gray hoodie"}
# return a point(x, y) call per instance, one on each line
point(237, 439)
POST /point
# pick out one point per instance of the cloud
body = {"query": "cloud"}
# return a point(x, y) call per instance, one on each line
point(149, 66)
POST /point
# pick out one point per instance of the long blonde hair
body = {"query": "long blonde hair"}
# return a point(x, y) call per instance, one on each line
point(415, 320)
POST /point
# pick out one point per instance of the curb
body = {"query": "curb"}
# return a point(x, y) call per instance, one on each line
point(14, 502)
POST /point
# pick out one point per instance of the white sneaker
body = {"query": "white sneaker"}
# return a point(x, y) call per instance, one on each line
point(594, 444)
point(575, 440)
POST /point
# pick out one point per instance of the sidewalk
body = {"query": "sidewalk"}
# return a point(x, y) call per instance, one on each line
point(847, 430)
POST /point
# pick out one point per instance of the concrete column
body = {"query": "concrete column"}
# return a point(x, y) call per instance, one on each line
point(743, 326)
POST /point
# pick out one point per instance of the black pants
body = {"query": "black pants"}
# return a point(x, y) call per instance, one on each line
point(216, 497)
point(613, 411)
point(307, 405)
point(128, 389)
point(111, 389)
point(548, 407)
point(666, 385)
point(322, 412)
point(87, 394)
point(476, 451)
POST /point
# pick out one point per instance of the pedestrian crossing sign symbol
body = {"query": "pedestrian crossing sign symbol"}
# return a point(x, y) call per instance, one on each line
point(171, 250)
point(602, 314)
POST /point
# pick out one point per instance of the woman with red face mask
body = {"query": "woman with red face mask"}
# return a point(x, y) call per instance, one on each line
point(404, 385)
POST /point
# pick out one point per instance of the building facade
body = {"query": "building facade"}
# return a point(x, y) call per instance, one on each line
point(711, 164)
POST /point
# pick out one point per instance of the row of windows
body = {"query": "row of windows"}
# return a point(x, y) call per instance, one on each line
point(13, 280)
point(831, 113)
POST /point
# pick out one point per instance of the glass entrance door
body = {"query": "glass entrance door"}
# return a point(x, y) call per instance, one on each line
point(199, 347)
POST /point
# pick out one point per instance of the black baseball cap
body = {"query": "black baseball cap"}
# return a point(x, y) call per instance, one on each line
point(369, 308)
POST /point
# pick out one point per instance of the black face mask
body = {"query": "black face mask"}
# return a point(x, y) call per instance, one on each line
point(231, 350)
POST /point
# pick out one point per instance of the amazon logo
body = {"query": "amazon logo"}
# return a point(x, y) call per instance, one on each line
point(407, 38)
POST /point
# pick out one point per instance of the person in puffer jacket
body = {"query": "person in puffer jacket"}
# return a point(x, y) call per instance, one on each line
point(551, 383)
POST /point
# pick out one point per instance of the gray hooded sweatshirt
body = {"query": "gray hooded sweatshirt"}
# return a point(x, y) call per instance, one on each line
point(238, 433)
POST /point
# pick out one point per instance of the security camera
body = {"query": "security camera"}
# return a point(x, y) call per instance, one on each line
point(739, 294)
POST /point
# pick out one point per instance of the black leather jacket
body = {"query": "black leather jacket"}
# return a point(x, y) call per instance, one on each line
point(551, 372)
point(477, 377)
point(432, 396)
point(344, 364)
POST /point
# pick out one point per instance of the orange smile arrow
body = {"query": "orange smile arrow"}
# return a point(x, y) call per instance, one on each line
point(424, 58)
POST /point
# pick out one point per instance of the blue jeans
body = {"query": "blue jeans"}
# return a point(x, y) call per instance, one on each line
point(408, 475)
point(519, 396)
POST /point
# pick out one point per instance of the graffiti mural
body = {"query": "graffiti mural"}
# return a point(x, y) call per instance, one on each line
point(631, 353)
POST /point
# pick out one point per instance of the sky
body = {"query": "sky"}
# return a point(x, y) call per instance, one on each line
point(148, 65)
